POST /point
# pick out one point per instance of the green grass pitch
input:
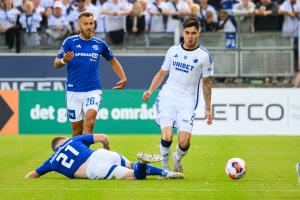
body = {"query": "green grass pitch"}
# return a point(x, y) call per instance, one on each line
point(270, 161)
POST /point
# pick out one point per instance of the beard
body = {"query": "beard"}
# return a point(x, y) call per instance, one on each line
point(87, 34)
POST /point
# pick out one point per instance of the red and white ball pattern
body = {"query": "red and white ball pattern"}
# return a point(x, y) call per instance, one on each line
point(235, 168)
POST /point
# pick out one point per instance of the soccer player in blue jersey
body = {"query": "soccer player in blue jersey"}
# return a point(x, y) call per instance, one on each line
point(73, 158)
point(82, 54)
point(185, 65)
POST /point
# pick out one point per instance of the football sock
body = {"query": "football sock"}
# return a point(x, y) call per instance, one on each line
point(180, 152)
point(139, 170)
point(165, 152)
point(152, 170)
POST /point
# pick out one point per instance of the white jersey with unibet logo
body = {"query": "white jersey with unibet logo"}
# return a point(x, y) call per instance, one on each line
point(185, 67)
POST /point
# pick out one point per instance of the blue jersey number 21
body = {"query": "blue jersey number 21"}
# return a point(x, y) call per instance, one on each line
point(64, 157)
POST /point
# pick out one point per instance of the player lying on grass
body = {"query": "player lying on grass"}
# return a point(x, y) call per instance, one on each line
point(73, 158)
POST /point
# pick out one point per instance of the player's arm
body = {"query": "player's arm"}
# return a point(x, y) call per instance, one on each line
point(118, 69)
point(67, 57)
point(41, 170)
point(156, 82)
point(207, 85)
point(64, 55)
point(32, 174)
point(103, 139)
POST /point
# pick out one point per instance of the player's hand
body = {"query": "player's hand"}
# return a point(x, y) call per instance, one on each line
point(121, 84)
point(67, 56)
point(208, 117)
point(147, 95)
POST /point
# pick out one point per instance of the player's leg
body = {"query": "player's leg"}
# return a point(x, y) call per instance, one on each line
point(165, 142)
point(152, 170)
point(104, 164)
point(185, 121)
point(113, 158)
point(89, 122)
point(75, 112)
point(181, 149)
point(77, 128)
point(90, 107)
point(165, 119)
point(138, 171)
point(139, 168)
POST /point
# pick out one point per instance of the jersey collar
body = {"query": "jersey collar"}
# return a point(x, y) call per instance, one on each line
point(189, 49)
point(84, 39)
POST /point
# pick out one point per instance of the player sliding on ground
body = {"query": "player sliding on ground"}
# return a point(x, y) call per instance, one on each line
point(73, 158)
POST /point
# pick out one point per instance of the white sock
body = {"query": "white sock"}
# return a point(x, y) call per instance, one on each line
point(165, 154)
point(179, 153)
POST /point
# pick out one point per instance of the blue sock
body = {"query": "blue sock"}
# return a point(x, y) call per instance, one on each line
point(165, 143)
point(151, 170)
point(139, 170)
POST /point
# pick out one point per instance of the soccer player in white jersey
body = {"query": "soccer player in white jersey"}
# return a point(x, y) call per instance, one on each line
point(73, 158)
point(185, 64)
point(82, 54)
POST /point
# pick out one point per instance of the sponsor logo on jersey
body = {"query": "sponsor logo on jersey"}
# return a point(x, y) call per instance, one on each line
point(78, 46)
point(93, 55)
point(175, 56)
point(183, 67)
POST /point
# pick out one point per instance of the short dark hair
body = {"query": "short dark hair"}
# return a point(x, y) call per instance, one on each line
point(85, 14)
point(56, 140)
point(190, 22)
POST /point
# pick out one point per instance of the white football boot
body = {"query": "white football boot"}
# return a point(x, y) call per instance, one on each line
point(148, 158)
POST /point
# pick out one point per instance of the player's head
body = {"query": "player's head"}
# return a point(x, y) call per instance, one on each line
point(86, 24)
point(191, 31)
point(58, 141)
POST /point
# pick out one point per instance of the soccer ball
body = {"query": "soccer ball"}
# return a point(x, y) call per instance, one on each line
point(235, 168)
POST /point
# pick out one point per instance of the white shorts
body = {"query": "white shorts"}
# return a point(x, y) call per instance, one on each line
point(78, 103)
point(104, 164)
point(174, 113)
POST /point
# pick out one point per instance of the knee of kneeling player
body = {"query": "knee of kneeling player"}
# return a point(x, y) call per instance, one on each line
point(184, 144)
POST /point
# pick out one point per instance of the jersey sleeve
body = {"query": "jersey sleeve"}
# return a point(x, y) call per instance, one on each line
point(65, 47)
point(208, 66)
point(87, 139)
point(106, 52)
point(167, 62)
point(44, 168)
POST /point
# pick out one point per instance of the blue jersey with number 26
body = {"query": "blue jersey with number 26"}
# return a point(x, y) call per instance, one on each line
point(83, 72)
point(68, 157)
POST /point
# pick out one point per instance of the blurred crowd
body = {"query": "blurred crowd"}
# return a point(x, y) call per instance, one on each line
point(58, 18)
